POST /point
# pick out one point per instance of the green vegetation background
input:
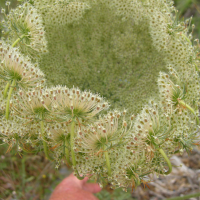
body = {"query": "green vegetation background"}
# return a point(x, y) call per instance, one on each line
point(27, 176)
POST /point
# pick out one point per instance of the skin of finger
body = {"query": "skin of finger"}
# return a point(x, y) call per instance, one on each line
point(92, 187)
point(74, 189)
point(73, 194)
point(72, 182)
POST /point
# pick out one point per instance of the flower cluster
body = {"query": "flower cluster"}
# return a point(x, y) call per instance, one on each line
point(60, 12)
point(72, 103)
point(135, 53)
point(15, 66)
point(25, 30)
point(101, 144)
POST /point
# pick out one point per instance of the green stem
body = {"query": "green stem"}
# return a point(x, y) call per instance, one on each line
point(8, 99)
point(66, 152)
point(72, 143)
point(6, 89)
point(185, 197)
point(181, 102)
point(107, 161)
point(17, 40)
point(44, 142)
point(167, 160)
point(72, 150)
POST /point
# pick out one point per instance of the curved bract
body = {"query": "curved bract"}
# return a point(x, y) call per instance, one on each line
point(138, 56)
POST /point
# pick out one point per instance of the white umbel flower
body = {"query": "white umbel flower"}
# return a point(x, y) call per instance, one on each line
point(15, 66)
point(73, 103)
point(26, 30)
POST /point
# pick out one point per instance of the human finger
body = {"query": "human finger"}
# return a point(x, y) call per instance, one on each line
point(92, 187)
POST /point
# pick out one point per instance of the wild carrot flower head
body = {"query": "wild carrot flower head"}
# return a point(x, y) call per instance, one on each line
point(58, 136)
point(72, 103)
point(14, 66)
point(180, 115)
point(116, 48)
point(104, 139)
point(24, 25)
point(19, 133)
point(34, 104)
point(64, 12)
point(58, 133)
point(103, 134)
point(170, 93)
point(12, 131)
point(144, 134)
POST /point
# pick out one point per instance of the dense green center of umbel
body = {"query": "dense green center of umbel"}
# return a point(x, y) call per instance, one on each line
point(40, 111)
point(76, 112)
point(106, 54)
point(15, 75)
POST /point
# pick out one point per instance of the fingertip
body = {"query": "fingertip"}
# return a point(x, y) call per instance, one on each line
point(92, 187)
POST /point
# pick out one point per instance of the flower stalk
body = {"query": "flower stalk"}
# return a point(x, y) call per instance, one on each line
point(6, 89)
point(18, 40)
point(44, 142)
point(181, 102)
point(66, 152)
point(72, 143)
point(167, 160)
point(107, 161)
point(9, 97)
point(72, 150)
